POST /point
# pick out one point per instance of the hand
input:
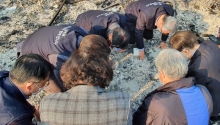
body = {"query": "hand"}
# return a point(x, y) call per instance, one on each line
point(163, 45)
point(119, 50)
point(37, 113)
point(141, 54)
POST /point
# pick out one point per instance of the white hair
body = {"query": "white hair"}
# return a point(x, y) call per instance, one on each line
point(169, 24)
point(172, 63)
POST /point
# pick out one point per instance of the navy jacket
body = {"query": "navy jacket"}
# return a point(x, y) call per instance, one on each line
point(14, 109)
point(143, 14)
point(98, 21)
point(205, 67)
point(176, 103)
point(53, 40)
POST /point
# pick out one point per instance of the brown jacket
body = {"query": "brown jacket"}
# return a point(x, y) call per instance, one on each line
point(175, 103)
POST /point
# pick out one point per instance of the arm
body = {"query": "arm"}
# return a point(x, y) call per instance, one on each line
point(23, 119)
point(199, 77)
point(143, 113)
point(139, 30)
point(37, 113)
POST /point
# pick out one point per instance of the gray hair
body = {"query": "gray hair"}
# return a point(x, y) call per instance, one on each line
point(172, 63)
point(169, 24)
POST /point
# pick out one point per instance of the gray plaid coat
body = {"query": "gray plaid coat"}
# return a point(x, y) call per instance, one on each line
point(86, 105)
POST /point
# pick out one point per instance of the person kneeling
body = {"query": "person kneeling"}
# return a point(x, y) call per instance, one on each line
point(86, 73)
point(178, 101)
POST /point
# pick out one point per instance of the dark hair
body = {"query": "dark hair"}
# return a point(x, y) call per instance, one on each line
point(183, 39)
point(120, 38)
point(30, 66)
point(89, 65)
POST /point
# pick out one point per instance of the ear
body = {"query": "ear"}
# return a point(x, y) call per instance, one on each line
point(161, 73)
point(185, 50)
point(161, 76)
point(110, 37)
point(28, 85)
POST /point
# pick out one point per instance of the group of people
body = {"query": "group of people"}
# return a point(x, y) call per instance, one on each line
point(72, 63)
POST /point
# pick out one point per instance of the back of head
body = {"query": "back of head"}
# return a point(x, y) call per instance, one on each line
point(120, 38)
point(169, 24)
point(30, 66)
point(88, 65)
point(183, 39)
point(172, 63)
point(93, 43)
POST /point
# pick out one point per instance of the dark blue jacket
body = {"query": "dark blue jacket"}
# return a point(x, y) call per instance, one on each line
point(14, 109)
point(142, 14)
point(53, 40)
point(98, 21)
point(176, 103)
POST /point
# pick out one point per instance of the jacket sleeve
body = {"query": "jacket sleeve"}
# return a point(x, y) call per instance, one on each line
point(164, 37)
point(139, 30)
point(199, 77)
point(143, 115)
point(23, 119)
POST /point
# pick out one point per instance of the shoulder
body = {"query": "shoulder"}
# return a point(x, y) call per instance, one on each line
point(117, 95)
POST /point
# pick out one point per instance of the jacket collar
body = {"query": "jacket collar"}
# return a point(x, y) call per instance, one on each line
point(9, 87)
point(197, 53)
point(86, 89)
point(182, 83)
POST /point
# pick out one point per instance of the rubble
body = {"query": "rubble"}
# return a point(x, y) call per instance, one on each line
point(20, 18)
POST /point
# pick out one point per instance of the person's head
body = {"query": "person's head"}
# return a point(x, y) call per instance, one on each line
point(119, 38)
point(89, 65)
point(171, 65)
point(184, 41)
point(167, 24)
point(30, 73)
point(94, 43)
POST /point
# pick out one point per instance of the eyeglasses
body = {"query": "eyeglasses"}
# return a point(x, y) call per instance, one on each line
point(46, 84)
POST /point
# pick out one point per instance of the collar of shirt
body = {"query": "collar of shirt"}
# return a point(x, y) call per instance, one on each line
point(195, 50)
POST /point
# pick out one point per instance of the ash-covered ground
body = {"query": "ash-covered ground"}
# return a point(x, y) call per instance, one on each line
point(20, 18)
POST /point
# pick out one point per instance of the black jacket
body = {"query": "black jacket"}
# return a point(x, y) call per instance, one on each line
point(98, 21)
point(205, 67)
point(143, 14)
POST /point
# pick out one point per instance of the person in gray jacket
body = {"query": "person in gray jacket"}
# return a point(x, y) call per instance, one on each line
point(179, 101)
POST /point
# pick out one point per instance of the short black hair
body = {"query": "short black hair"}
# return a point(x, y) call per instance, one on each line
point(120, 38)
point(30, 66)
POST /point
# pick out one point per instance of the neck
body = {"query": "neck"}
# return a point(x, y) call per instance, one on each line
point(168, 80)
point(193, 50)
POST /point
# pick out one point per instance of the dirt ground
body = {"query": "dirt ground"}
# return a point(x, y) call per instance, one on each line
point(20, 18)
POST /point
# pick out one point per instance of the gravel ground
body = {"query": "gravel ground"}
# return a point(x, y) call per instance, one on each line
point(19, 18)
